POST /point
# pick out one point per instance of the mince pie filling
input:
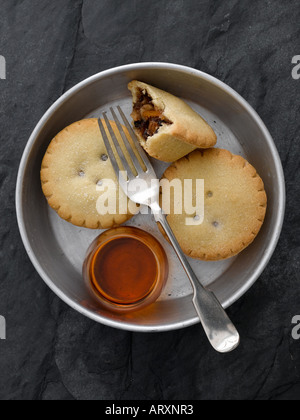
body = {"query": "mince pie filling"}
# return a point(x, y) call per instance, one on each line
point(147, 118)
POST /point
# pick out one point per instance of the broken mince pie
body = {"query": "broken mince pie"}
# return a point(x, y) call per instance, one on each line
point(166, 126)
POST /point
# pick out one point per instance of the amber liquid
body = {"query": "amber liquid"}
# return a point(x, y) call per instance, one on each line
point(124, 271)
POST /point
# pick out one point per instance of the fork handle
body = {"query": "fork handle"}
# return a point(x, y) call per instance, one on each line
point(220, 331)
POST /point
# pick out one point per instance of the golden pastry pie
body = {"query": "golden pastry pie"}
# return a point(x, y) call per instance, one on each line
point(73, 171)
point(166, 126)
point(235, 204)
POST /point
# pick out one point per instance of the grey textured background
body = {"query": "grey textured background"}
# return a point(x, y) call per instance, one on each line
point(52, 352)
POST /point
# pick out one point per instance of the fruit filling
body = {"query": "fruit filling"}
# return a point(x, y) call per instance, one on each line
point(147, 118)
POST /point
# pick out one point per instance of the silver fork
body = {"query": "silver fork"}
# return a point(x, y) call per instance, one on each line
point(220, 331)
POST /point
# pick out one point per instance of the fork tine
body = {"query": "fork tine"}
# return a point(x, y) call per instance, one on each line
point(108, 147)
point(127, 144)
point(118, 148)
point(139, 148)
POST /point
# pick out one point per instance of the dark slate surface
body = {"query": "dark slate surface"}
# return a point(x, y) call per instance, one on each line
point(52, 352)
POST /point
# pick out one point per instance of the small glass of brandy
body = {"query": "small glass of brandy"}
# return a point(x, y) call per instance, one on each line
point(126, 269)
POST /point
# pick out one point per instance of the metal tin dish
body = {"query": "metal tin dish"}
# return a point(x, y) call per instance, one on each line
point(57, 249)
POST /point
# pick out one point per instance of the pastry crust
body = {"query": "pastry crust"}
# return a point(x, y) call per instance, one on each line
point(235, 204)
point(75, 163)
point(186, 131)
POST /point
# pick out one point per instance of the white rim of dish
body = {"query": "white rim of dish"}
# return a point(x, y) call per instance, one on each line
point(160, 66)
